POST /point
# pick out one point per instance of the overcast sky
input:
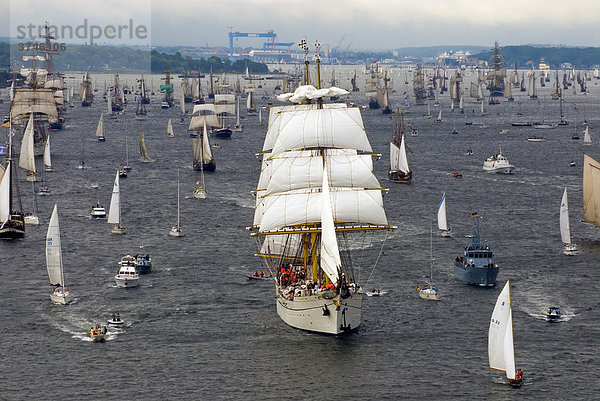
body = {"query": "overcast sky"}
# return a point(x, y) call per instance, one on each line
point(363, 24)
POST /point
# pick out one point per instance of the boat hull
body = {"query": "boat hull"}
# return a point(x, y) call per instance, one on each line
point(61, 298)
point(224, 133)
point(400, 177)
point(476, 275)
point(13, 228)
point(127, 282)
point(317, 314)
point(211, 166)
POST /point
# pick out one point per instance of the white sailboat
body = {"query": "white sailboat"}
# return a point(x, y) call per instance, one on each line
point(143, 149)
point(238, 125)
point(114, 212)
point(176, 229)
point(429, 291)
point(200, 190)
point(501, 351)
point(587, 139)
point(445, 231)
point(27, 153)
point(54, 263)
point(170, 132)
point(316, 179)
point(569, 247)
point(47, 157)
point(399, 169)
point(100, 129)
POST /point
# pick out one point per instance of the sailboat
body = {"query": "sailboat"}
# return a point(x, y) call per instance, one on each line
point(445, 231)
point(143, 150)
point(200, 190)
point(100, 129)
point(54, 263)
point(569, 247)
point(12, 221)
point(85, 91)
point(203, 117)
point(176, 229)
point(316, 179)
point(238, 125)
point(140, 110)
point(27, 155)
point(260, 119)
point(47, 156)
point(114, 212)
point(170, 132)
point(399, 169)
point(429, 291)
point(501, 351)
point(587, 139)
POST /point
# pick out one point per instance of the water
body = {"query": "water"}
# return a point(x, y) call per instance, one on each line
point(196, 328)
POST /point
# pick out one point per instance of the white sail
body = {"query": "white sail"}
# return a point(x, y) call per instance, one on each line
point(27, 156)
point(565, 232)
point(225, 104)
point(5, 194)
point(301, 169)
point(143, 150)
point(109, 105)
point(182, 102)
point(29, 100)
point(281, 245)
point(170, 128)
point(54, 263)
point(500, 336)
point(303, 206)
point(114, 213)
point(591, 190)
point(322, 128)
point(441, 215)
point(203, 113)
point(587, 139)
point(507, 91)
point(276, 118)
point(47, 157)
point(398, 158)
point(249, 101)
point(100, 127)
point(330, 253)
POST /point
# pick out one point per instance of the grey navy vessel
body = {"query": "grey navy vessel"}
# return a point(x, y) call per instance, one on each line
point(476, 265)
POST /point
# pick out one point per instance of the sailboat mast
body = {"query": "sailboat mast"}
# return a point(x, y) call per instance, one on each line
point(177, 198)
point(431, 251)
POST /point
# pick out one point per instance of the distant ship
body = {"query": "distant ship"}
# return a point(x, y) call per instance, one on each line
point(85, 91)
point(476, 265)
point(497, 74)
point(419, 86)
point(377, 95)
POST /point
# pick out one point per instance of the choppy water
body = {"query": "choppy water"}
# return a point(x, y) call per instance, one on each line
point(196, 328)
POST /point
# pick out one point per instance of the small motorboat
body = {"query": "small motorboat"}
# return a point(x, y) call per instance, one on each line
point(375, 292)
point(428, 292)
point(456, 174)
point(553, 314)
point(536, 139)
point(143, 263)
point(572, 164)
point(115, 320)
point(258, 276)
point(469, 152)
point(98, 212)
point(98, 332)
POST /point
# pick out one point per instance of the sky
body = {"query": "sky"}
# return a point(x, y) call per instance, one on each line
point(356, 24)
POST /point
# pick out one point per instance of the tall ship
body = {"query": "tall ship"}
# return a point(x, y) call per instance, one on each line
point(544, 70)
point(399, 169)
point(186, 88)
point(167, 90)
point(34, 99)
point(12, 220)
point(54, 81)
point(373, 85)
point(591, 190)
point(419, 85)
point(143, 91)
point(203, 118)
point(316, 196)
point(455, 90)
point(86, 92)
point(496, 75)
point(476, 265)
point(117, 98)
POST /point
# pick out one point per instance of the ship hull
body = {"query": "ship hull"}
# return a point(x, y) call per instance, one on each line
point(481, 276)
point(210, 166)
point(317, 314)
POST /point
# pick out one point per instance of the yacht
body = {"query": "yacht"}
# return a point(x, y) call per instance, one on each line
point(143, 263)
point(98, 212)
point(127, 276)
point(498, 164)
